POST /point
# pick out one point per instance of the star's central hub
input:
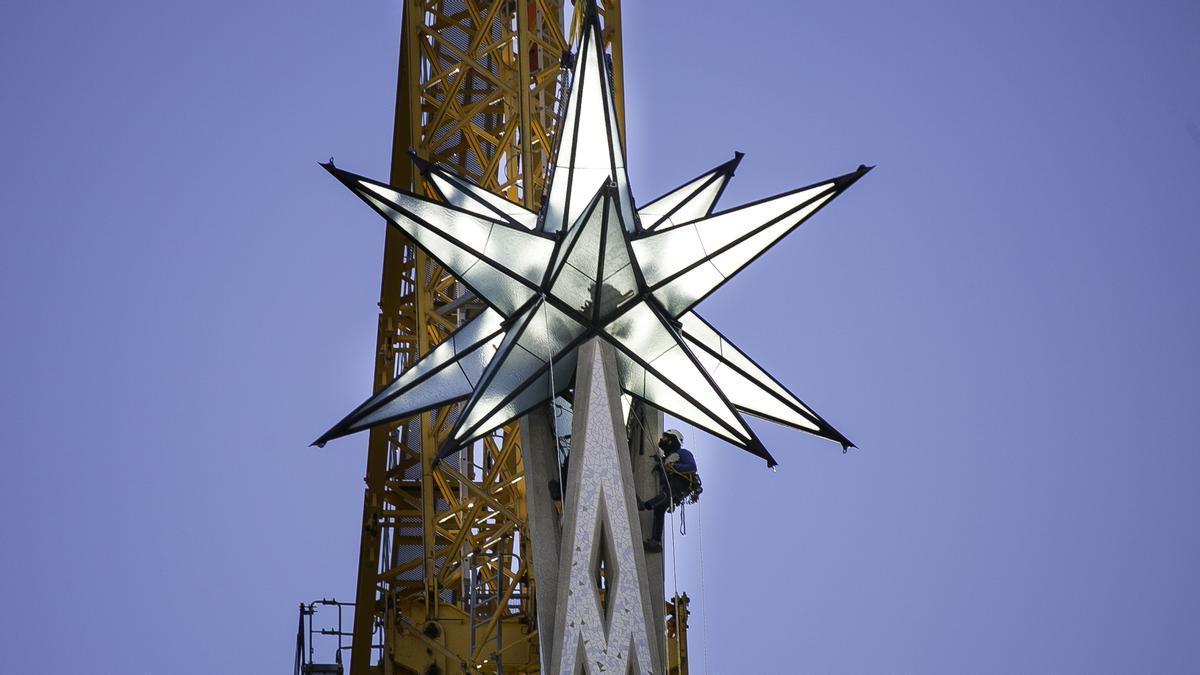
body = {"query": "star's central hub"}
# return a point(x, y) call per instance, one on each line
point(592, 270)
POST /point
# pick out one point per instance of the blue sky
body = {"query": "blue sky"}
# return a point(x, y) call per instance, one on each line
point(1003, 315)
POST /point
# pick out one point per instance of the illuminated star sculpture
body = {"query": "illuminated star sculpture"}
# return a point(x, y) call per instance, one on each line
point(590, 263)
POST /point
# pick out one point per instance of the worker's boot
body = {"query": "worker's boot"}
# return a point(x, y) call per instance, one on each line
point(652, 503)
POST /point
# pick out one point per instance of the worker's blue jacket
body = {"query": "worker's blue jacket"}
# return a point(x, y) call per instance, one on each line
point(687, 462)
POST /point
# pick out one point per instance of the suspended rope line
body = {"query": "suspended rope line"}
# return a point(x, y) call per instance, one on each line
point(703, 597)
point(637, 418)
point(558, 447)
point(674, 561)
point(675, 597)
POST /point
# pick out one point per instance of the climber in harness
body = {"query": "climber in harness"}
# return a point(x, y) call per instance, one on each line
point(677, 480)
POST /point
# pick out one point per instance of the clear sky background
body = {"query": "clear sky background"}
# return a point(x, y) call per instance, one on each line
point(1003, 315)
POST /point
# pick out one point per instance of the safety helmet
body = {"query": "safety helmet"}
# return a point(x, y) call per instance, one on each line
point(676, 433)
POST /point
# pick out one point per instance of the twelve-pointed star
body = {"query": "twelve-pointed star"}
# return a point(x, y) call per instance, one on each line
point(590, 264)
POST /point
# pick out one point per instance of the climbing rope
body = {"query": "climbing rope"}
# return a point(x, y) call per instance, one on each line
point(558, 448)
point(674, 561)
point(703, 598)
point(675, 595)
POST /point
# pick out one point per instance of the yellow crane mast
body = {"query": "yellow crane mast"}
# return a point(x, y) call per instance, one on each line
point(445, 580)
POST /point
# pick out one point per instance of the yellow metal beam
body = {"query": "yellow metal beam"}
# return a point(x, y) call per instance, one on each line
point(444, 576)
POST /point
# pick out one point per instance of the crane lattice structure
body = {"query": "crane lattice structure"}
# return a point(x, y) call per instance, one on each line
point(445, 575)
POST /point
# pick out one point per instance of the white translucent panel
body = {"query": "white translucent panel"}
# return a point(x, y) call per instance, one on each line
point(574, 288)
point(475, 199)
point(616, 252)
point(590, 123)
point(517, 325)
point(584, 185)
point(596, 241)
point(519, 365)
point(681, 293)
point(589, 152)
point(728, 240)
point(625, 199)
point(534, 394)
point(707, 361)
point(521, 252)
point(632, 374)
point(448, 372)
point(626, 406)
point(617, 289)
point(701, 204)
point(690, 202)
point(740, 254)
point(474, 363)
point(549, 332)
point(555, 207)
point(469, 230)
point(636, 381)
point(565, 246)
point(657, 209)
point(752, 396)
point(746, 385)
point(562, 214)
point(670, 250)
point(722, 229)
point(447, 384)
point(496, 286)
point(664, 396)
point(486, 325)
point(451, 254)
point(538, 336)
point(591, 136)
point(676, 367)
point(585, 253)
point(524, 253)
point(666, 252)
point(621, 278)
point(640, 331)
point(506, 375)
point(503, 292)
point(697, 330)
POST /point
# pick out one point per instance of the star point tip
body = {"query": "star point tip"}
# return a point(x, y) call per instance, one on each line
point(733, 164)
point(335, 432)
point(845, 181)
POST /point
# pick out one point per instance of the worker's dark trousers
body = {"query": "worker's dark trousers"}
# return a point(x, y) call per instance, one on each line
point(659, 503)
